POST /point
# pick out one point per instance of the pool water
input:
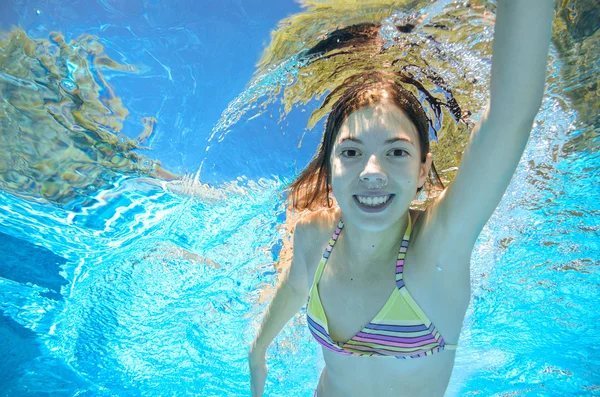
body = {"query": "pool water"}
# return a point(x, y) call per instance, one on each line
point(116, 280)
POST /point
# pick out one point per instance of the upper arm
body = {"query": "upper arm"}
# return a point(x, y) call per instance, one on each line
point(296, 276)
point(520, 53)
point(485, 171)
point(311, 230)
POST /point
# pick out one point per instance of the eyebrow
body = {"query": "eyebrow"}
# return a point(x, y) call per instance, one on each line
point(387, 142)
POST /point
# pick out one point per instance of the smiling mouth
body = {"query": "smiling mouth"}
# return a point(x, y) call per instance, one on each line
point(373, 204)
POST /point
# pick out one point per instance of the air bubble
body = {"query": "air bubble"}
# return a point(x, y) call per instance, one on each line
point(69, 85)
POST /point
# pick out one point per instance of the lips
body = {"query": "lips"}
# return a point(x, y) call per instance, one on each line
point(373, 208)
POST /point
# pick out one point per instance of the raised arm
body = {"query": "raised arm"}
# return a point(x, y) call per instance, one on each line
point(291, 295)
point(520, 53)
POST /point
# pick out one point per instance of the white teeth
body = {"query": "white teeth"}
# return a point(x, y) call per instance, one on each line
point(373, 201)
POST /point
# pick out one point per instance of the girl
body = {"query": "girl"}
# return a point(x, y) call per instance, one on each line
point(387, 293)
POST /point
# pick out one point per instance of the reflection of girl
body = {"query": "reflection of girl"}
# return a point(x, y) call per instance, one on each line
point(377, 287)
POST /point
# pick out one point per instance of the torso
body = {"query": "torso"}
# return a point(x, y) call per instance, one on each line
point(350, 302)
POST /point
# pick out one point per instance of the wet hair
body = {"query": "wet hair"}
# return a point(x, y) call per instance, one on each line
point(312, 188)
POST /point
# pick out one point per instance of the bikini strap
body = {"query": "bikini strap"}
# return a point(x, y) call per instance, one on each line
point(402, 253)
point(332, 241)
point(399, 262)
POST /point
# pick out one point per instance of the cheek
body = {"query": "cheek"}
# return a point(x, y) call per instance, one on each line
point(341, 176)
point(337, 169)
point(335, 176)
point(406, 175)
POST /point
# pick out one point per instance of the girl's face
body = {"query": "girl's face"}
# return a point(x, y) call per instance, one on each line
point(376, 166)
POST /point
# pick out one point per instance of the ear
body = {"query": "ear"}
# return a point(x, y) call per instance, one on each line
point(424, 169)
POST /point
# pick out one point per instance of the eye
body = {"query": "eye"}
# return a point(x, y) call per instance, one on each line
point(399, 153)
point(350, 153)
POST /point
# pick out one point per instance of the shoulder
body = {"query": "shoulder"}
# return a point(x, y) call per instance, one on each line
point(317, 222)
point(421, 227)
point(435, 235)
point(313, 229)
point(416, 217)
point(309, 235)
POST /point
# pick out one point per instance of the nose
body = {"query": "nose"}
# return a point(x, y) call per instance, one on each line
point(373, 175)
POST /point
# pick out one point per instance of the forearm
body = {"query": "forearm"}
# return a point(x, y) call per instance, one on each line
point(520, 54)
point(286, 303)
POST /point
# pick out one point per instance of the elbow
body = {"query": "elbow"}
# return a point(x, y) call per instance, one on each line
point(528, 113)
point(296, 293)
point(520, 107)
point(520, 118)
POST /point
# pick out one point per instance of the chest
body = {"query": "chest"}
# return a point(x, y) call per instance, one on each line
point(351, 301)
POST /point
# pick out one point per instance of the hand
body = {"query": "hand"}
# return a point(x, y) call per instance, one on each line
point(258, 372)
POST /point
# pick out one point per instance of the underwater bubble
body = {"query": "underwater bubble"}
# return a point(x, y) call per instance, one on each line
point(68, 85)
point(389, 33)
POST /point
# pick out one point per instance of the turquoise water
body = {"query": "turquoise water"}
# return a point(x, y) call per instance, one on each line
point(140, 290)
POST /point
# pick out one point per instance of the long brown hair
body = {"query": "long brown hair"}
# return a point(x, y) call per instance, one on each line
point(312, 187)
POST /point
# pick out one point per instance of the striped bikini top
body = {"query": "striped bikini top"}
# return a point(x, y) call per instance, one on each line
point(400, 329)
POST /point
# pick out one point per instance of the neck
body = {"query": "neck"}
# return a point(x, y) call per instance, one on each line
point(367, 250)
